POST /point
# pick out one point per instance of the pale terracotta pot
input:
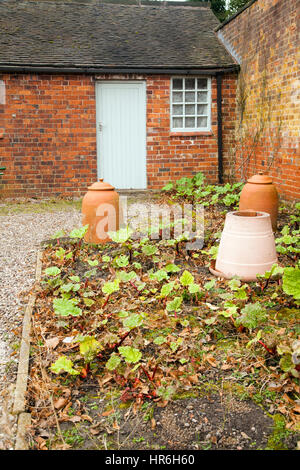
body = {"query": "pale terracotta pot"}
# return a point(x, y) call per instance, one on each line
point(100, 210)
point(260, 194)
point(247, 246)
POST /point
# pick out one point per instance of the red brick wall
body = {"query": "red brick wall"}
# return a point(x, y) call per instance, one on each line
point(48, 144)
point(171, 156)
point(48, 139)
point(265, 39)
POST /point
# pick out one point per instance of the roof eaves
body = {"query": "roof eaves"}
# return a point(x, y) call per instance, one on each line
point(92, 69)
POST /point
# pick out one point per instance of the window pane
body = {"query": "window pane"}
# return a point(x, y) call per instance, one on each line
point(202, 83)
point(202, 122)
point(177, 97)
point(178, 110)
point(202, 109)
point(190, 106)
point(190, 109)
point(202, 97)
point(177, 123)
point(190, 84)
point(177, 83)
point(189, 122)
point(189, 97)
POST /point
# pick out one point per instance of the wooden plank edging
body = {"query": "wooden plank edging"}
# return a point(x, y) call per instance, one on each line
point(19, 407)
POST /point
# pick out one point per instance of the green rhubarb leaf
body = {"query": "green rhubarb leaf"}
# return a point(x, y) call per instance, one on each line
point(172, 268)
point(291, 282)
point(130, 354)
point(79, 232)
point(123, 276)
point(241, 293)
point(186, 278)
point(70, 287)
point(193, 288)
point(133, 321)
point(110, 287)
point(60, 253)
point(210, 284)
point(59, 234)
point(159, 340)
point(65, 307)
point(123, 314)
point(174, 345)
point(174, 305)
point(286, 363)
point(251, 316)
point(63, 364)
point(113, 362)
point(168, 187)
point(149, 250)
point(52, 271)
point(88, 302)
point(88, 346)
point(167, 289)
point(122, 261)
point(159, 275)
point(234, 284)
point(166, 393)
point(90, 273)
point(94, 262)
point(121, 236)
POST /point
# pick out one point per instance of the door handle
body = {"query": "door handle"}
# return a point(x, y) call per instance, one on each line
point(100, 126)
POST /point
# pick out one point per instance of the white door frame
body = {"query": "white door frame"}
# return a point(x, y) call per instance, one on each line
point(100, 160)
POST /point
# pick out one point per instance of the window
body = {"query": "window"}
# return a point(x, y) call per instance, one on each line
point(190, 104)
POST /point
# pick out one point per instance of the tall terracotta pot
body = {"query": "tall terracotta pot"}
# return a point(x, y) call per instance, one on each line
point(100, 210)
point(260, 194)
point(247, 246)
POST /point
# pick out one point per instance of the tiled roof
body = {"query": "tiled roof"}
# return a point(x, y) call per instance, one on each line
point(95, 33)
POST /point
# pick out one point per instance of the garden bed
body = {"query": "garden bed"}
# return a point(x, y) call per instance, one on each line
point(137, 346)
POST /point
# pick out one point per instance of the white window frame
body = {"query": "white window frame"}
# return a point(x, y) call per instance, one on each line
point(191, 129)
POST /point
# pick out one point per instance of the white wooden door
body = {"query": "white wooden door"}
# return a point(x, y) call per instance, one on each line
point(121, 133)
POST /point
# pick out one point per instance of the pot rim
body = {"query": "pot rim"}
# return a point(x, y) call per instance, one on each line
point(246, 214)
point(217, 273)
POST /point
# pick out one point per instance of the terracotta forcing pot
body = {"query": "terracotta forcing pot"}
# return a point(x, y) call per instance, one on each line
point(260, 194)
point(100, 210)
point(247, 246)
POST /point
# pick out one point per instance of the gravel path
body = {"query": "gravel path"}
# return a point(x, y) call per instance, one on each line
point(20, 237)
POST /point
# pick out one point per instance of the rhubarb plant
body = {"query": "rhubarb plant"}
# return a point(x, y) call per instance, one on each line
point(251, 316)
point(291, 282)
point(66, 307)
point(63, 364)
point(290, 358)
point(89, 347)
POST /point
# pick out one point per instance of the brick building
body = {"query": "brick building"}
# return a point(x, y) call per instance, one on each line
point(142, 93)
point(264, 39)
point(138, 94)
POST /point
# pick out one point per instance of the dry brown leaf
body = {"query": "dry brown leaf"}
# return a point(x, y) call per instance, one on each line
point(52, 342)
point(287, 398)
point(108, 412)
point(153, 423)
point(193, 379)
point(87, 418)
point(226, 366)
point(60, 403)
point(296, 409)
point(211, 360)
point(41, 443)
point(74, 419)
point(94, 432)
